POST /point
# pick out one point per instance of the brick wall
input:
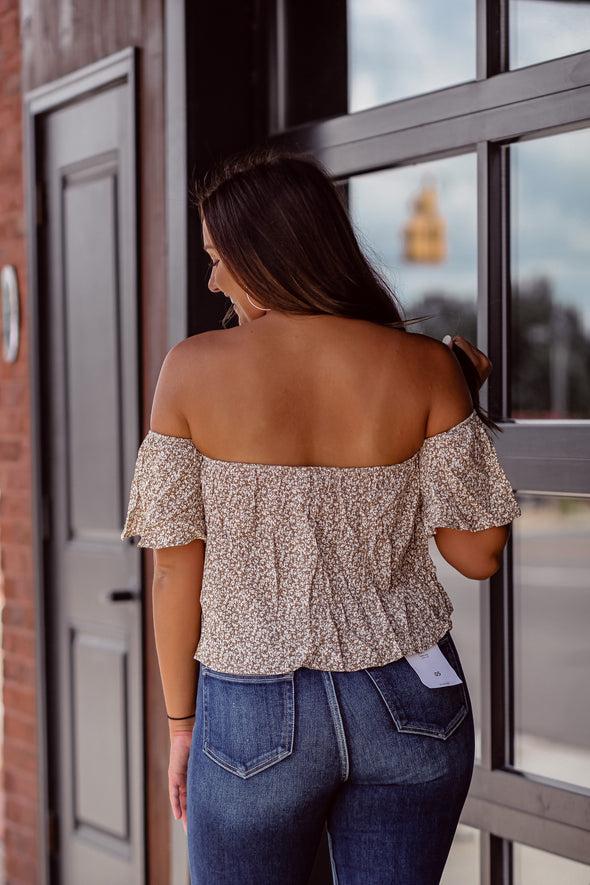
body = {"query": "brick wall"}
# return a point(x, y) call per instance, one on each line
point(19, 778)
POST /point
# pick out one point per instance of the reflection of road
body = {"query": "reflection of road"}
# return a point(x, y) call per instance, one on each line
point(552, 647)
point(552, 614)
point(552, 664)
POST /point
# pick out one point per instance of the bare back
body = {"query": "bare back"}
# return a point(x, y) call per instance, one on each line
point(309, 390)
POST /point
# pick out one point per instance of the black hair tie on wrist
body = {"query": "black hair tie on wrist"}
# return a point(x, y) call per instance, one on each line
point(180, 718)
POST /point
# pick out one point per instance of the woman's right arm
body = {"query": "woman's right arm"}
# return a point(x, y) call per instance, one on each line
point(477, 555)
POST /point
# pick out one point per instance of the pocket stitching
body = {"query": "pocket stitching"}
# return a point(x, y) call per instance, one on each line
point(426, 731)
point(287, 735)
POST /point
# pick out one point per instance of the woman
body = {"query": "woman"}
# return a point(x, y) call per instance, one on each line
point(315, 447)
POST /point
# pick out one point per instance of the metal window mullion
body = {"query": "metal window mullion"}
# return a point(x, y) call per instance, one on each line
point(491, 38)
point(493, 308)
point(496, 860)
point(278, 68)
point(496, 594)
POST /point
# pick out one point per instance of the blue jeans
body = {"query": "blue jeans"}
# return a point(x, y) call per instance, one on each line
point(382, 760)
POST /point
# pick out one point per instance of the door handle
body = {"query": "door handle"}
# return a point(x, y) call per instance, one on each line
point(123, 595)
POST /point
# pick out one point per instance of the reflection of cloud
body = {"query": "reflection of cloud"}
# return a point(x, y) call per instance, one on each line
point(551, 215)
point(541, 29)
point(550, 219)
point(402, 49)
point(380, 205)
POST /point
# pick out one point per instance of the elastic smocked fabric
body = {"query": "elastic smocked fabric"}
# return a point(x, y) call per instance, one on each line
point(319, 567)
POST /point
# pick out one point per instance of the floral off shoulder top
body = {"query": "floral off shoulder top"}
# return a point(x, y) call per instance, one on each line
point(321, 567)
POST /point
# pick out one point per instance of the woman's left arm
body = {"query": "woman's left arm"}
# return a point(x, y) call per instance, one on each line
point(178, 573)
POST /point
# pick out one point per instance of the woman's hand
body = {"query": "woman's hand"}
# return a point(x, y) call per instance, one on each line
point(482, 364)
point(180, 745)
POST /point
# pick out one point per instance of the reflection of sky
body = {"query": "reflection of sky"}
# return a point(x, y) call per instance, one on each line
point(551, 215)
point(404, 48)
point(542, 29)
point(397, 49)
point(381, 204)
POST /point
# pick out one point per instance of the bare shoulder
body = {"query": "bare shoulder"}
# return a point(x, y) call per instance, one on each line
point(188, 366)
point(449, 400)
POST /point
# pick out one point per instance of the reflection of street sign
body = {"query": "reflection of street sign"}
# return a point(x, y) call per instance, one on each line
point(425, 232)
point(10, 313)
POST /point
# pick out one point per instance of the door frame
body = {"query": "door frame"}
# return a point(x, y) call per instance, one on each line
point(117, 69)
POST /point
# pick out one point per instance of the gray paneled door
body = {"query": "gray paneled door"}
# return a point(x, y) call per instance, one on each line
point(89, 337)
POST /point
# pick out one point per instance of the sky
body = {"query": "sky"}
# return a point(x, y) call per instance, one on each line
point(401, 48)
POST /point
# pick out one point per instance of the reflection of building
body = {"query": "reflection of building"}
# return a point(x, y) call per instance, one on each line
point(123, 103)
point(424, 232)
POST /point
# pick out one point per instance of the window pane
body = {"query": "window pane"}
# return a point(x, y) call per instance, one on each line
point(550, 187)
point(535, 867)
point(544, 29)
point(421, 224)
point(408, 47)
point(551, 648)
point(462, 867)
point(464, 595)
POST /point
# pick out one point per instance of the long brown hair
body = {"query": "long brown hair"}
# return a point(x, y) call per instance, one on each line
point(281, 229)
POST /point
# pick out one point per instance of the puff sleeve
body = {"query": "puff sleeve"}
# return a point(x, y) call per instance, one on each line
point(165, 502)
point(462, 485)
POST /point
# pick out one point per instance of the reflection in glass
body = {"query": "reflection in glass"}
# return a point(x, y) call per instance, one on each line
point(550, 219)
point(464, 595)
point(420, 226)
point(406, 48)
point(544, 29)
point(535, 867)
point(551, 649)
point(462, 867)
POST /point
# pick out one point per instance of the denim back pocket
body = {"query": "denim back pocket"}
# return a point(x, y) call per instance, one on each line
point(248, 721)
point(414, 708)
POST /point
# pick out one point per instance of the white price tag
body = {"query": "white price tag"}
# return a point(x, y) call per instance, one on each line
point(433, 668)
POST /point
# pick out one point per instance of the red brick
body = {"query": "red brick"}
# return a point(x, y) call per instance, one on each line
point(22, 755)
point(21, 698)
point(20, 870)
point(10, 451)
point(14, 505)
point(13, 421)
point(17, 561)
point(19, 671)
point(7, 7)
point(20, 745)
point(20, 809)
point(18, 532)
point(19, 586)
point(14, 393)
point(19, 614)
point(19, 642)
point(20, 783)
point(19, 839)
point(13, 614)
point(17, 728)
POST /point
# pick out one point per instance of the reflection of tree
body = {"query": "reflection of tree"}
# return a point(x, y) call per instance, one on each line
point(447, 316)
point(550, 362)
point(550, 358)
